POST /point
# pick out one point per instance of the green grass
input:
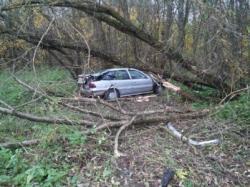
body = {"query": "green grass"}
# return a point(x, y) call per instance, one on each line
point(237, 111)
point(17, 96)
point(65, 157)
point(28, 167)
point(58, 159)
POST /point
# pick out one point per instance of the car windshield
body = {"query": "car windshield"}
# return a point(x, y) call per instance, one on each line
point(98, 72)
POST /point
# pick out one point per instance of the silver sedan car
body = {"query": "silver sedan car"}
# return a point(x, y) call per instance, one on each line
point(117, 82)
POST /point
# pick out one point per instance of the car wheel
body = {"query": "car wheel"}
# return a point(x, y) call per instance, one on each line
point(111, 94)
point(158, 89)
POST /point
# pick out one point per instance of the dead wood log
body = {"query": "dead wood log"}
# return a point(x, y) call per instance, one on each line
point(138, 120)
point(45, 119)
point(143, 117)
point(116, 152)
point(170, 117)
point(20, 144)
point(178, 135)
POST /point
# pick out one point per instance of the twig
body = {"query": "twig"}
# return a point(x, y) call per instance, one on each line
point(27, 86)
point(85, 40)
point(33, 60)
point(34, 100)
point(116, 152)
point(232, 94)
point(5, 104)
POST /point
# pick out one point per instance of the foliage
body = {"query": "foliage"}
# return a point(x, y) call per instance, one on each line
point(235, 111)
point(16, 169)
point(55, 80)
point(16, 166)
point(182, 174)
point(77, 139)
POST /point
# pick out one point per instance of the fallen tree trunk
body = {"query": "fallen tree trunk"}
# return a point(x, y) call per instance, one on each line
point(136, 121)
point(143, 116)
point(174, 88)
point(171, 117)
point(45, 119)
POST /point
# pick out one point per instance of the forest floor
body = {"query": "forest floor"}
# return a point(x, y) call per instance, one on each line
point(66, 156)
point(149, 151)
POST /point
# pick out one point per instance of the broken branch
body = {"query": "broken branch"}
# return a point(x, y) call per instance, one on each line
point(177, 134)
point(116, 152)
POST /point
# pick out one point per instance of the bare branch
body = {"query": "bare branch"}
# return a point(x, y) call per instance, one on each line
point(27, 86)
point(34, 56)
point(116, 152)
point(177, 134)
point(233, 94)
point(19, 144)
point(27, 103)
point(5, 104)
point(44, 119)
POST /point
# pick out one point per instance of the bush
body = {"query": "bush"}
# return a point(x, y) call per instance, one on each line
point(236, 111)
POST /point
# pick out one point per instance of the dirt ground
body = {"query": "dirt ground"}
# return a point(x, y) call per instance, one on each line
point(150, 150)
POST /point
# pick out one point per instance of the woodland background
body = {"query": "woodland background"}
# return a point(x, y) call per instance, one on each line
point(50, 135)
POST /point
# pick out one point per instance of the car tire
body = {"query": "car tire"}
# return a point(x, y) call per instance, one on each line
point(158, 89)
point(111, 94)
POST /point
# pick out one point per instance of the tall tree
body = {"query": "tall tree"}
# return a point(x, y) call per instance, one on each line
point(142, 21)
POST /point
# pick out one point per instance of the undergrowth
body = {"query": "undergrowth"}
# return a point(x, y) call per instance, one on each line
point(60, 162)
point(237, 111)
point(57, 160)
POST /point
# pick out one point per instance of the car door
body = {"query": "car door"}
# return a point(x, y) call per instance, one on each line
point(122, 82)
point(141, 83)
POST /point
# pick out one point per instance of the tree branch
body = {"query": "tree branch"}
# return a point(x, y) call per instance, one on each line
point(116, 152)
point(44, 119)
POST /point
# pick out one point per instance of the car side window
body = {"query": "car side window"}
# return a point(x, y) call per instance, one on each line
point(122, 75)
point(137, 75)
point(110, 75)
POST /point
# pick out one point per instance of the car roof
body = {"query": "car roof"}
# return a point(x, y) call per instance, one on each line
point(120, 69)
point(97, 73)
point(112, 69)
